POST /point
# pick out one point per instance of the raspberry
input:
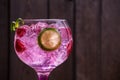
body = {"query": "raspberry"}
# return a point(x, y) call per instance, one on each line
point(19, 46)
point(69, 47)
point(21, 32)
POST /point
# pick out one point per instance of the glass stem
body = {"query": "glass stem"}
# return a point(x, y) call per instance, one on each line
point(42, 76)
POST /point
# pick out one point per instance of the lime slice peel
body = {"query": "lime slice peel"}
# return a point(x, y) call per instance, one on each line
point(49, 39)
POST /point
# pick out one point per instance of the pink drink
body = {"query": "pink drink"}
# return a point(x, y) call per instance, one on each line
point(28, 50)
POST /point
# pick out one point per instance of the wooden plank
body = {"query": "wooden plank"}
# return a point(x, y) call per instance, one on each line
point(4, 40)
point(29, 9)
point(24, 9)
point(62, 9)
point(88, 39)
point(111, 39)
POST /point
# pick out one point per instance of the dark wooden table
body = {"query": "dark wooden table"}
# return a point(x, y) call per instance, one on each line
point(96, 28)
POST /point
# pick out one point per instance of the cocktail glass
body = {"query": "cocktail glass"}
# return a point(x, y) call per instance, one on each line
point(42, 44)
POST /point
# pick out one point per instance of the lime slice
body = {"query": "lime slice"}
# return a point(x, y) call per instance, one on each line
point(49, 39)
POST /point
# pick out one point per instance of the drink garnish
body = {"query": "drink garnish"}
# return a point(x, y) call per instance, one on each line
point(19, 46)
point(21, 32)
point(49, 39)
point(15, 24)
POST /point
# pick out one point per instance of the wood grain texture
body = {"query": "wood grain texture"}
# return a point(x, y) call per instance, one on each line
point(88, 40)
point(24, 9)
point(62, 9)
point(29, 9)
point(111, 40)
point(3, 40)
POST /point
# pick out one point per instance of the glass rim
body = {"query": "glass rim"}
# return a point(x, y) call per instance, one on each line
point(44, 19)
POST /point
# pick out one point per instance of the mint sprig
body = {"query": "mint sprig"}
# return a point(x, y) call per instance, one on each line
point(15, 24)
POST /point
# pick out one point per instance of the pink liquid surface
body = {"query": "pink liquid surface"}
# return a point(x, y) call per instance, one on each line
point(29, 51)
